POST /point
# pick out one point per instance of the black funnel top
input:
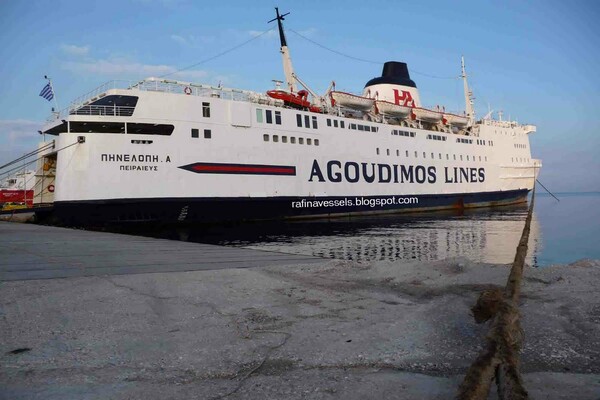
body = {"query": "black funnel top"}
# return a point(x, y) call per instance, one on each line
point(395, 73)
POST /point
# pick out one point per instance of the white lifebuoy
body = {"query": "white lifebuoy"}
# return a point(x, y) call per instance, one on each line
point(187, 90)
point(51, 188)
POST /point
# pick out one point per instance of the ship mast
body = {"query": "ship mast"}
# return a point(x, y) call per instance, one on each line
point(468, 94)
point(288, 70)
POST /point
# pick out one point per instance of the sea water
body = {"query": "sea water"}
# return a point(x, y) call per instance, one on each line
point(561, 232)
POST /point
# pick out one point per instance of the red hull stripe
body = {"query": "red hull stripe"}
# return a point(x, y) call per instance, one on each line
point(243, 169)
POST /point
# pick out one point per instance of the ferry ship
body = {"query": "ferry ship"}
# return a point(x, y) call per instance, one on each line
point(173, 151)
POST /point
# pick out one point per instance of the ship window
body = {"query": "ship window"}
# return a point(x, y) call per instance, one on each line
point(406, 153)
point(454, 157)
point(461, 158)
point(352, 126)
point(284, 139)
point(432, 156)
point(309, 141)
point(266, 138)
point(388, 152)
point(377, 150)
point(328, 122)
point(292, 140)
point(300, 140)
point(335, 123)
point(278, 117)
point(97, 127)
point(447, 157)
point(416, 155)
point(360, 127)
point(424, 155)
point(259, 115)
point(275, 138)
point(195, 133)
point(440, 155)
point(479, 158)
point(374, 129)
point(299, 120)
point(149, 129)
point(412, 134)
point(206, 110)
point(342, 124)
point(269, 115)
point(316, 142)
point(397, 153)
point(207, 134)
point(306, 121)
point(314, 121)
point(485, 158)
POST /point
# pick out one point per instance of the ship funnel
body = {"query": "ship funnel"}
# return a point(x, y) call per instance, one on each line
point(394, 85)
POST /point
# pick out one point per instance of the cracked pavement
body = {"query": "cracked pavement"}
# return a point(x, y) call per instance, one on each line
point(334, 330)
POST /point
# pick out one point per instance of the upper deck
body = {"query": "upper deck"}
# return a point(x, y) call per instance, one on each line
point(102, 102)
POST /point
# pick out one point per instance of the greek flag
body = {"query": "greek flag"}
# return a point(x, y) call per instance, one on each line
point(47, 92)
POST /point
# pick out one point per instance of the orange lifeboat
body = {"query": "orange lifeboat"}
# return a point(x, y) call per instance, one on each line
point(296, 100)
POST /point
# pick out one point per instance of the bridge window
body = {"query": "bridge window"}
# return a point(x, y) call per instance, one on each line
point(314, 122)
point(97, 127)
point(299, 120)
point(259, 115)
point(150, 129)
point(207, 134)
point(195, 133)
point(269, 115)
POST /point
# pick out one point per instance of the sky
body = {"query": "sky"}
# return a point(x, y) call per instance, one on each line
point(537, 61)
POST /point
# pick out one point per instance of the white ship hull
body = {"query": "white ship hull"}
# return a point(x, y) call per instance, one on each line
point(250, 169)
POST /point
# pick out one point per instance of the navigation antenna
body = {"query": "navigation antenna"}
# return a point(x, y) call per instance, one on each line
point(288, 70)
point(468, 94)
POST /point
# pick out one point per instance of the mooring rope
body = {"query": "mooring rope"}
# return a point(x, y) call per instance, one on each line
point(500, 357)
point(549, 192)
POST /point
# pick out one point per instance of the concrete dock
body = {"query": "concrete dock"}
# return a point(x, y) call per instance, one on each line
point(29, 251)
point(135, 318)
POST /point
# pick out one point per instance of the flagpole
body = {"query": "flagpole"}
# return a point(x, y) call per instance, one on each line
point(53, 94)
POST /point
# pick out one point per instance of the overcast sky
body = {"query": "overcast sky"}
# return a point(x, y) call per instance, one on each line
point(537, 61)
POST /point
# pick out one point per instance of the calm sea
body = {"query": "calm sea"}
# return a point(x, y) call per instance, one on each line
point(562, 232)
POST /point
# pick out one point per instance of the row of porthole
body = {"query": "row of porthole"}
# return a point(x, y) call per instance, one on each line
point(407, 154)
point(292, 140)
point(519, 159)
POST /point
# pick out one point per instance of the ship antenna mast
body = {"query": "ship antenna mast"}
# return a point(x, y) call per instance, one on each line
point(468, 94)
point(288, 70)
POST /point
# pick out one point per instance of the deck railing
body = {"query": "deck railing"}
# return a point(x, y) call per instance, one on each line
point(113, 111)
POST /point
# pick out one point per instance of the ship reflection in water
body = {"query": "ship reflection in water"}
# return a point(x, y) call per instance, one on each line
point(489, 236)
